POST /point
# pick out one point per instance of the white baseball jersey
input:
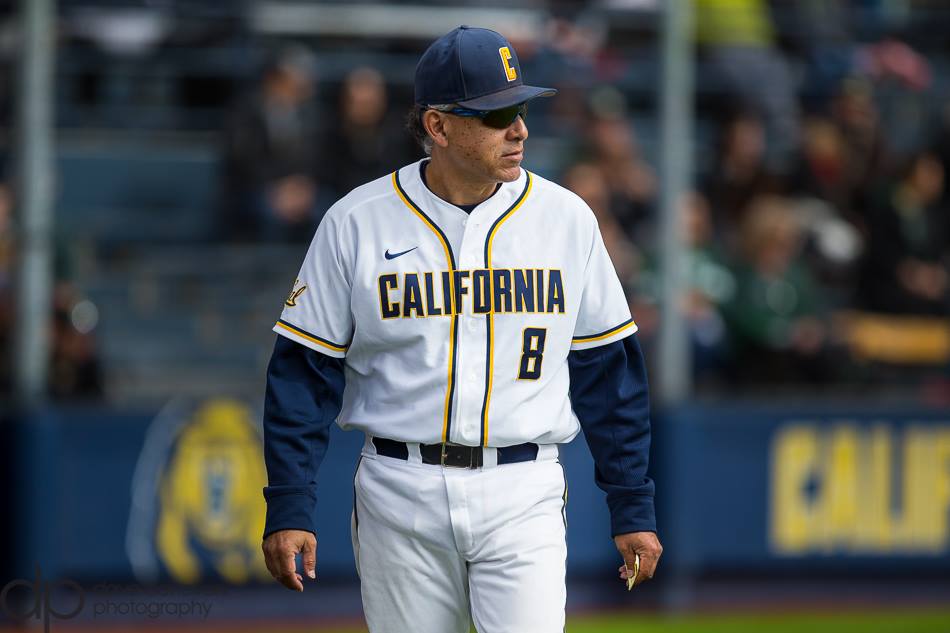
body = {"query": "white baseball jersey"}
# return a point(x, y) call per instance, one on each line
point(454, 326)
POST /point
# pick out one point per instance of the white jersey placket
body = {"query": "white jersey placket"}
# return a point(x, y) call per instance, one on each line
point(472, 357)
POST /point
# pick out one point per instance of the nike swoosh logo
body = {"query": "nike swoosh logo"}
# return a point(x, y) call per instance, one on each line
point(395, 255)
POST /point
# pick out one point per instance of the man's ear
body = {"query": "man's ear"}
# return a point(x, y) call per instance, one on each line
point(435, 124)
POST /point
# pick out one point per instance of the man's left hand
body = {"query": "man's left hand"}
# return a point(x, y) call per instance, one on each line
point(647, 545)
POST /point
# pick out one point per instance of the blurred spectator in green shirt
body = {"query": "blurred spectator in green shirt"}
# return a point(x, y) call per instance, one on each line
point(775, 318)
point(709, 284)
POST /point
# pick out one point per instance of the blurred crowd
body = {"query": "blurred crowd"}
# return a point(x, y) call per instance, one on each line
point(816, 236)
point(286, 158)
point(817, 248)
point(75, 372)
point(814, 232)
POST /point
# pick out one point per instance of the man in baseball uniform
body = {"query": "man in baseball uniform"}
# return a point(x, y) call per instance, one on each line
point(464, 314)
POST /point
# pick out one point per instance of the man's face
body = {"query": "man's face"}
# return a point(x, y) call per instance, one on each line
point(485, 154)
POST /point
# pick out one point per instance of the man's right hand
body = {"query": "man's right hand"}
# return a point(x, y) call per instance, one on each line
point(280, 549)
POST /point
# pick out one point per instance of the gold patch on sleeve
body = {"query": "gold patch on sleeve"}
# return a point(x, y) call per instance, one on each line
point(294, 294)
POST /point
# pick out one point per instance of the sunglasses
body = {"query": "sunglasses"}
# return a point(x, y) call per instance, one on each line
point(498, 119)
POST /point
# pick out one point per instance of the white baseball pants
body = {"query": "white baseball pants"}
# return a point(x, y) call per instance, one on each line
point(438, 547)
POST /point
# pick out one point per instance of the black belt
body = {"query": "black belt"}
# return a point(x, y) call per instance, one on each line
point(456, 455)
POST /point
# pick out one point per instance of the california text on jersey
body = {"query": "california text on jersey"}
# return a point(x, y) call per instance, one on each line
point(479, 291)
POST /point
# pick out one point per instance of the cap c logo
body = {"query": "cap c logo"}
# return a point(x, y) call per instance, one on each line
point(510, 72)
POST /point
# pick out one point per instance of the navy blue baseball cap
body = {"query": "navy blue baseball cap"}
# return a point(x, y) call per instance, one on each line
point(474, 68)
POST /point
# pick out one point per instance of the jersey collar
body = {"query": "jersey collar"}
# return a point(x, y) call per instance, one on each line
point(486, 211)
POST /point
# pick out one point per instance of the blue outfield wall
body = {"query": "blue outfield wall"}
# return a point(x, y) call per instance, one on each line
point(7, 500)
point(79, 470)
point(175, 495)
point(842, 489)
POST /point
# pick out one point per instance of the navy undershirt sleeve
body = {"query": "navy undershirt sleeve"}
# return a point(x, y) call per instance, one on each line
point(610, 398)
point(303, 398)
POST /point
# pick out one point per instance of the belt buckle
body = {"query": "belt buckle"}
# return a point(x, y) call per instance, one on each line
point(471, 457)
